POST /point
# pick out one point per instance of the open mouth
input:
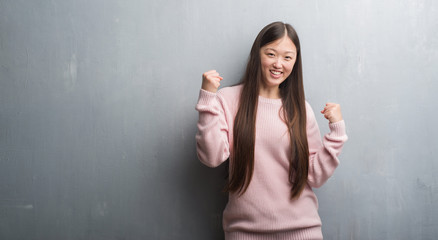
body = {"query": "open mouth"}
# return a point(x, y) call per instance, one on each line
point(275, 73)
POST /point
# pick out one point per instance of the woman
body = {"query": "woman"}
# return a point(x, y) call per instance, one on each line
point(271, 137)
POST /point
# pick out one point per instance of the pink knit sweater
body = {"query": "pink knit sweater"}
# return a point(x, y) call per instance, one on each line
point(265, 210)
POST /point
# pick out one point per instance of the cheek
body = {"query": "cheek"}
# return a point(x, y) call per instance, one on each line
point(265, 63)
point(290, 67)
point(265, 67)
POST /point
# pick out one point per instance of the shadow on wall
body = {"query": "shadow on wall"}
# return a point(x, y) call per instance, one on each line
point(207, 201)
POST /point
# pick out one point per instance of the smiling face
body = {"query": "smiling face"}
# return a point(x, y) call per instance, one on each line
point(277, 61)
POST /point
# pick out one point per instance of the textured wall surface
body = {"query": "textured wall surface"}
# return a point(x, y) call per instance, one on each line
point(97, 118)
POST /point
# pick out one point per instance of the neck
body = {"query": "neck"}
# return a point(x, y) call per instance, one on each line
point(273, 92)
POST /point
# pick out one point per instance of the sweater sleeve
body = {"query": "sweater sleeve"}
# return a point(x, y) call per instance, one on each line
point(323, 155)
point(212, 143)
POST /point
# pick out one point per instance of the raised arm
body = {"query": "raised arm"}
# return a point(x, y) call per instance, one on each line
point(212, 142)
point(323, 155)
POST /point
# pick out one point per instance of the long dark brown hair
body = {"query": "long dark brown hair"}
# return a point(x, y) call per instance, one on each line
point(293, 113)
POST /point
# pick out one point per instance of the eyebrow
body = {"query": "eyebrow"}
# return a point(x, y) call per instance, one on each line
point(276, 50)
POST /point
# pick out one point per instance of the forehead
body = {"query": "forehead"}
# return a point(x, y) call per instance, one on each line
point(283, 44)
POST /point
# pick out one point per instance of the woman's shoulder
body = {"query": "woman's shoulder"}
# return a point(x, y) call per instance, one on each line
point(231, 93)
point(309, 111)
point(307, 105)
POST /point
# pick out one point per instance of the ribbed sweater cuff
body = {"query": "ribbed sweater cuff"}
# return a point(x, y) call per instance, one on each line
point(206, 97)
point(301, 234)
point(337, 129)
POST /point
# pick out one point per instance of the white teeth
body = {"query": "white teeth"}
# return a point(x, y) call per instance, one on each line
point(275, 73)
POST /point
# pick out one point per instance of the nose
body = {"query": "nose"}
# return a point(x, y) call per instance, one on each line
point(277, 63)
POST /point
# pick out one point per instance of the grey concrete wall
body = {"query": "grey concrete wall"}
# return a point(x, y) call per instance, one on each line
point(97, 118)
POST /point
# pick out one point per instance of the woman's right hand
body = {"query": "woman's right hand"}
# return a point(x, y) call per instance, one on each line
point(211, 81)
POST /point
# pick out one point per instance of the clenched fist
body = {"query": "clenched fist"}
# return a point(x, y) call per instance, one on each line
point(211, 81)
point(332, 111)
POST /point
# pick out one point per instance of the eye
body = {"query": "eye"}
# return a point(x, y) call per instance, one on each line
point(288, 58)
point(270, 54)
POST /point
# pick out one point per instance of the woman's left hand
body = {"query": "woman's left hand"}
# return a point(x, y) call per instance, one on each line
point(332, 111)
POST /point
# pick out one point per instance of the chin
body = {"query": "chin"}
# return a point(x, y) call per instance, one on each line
point(274, 82)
